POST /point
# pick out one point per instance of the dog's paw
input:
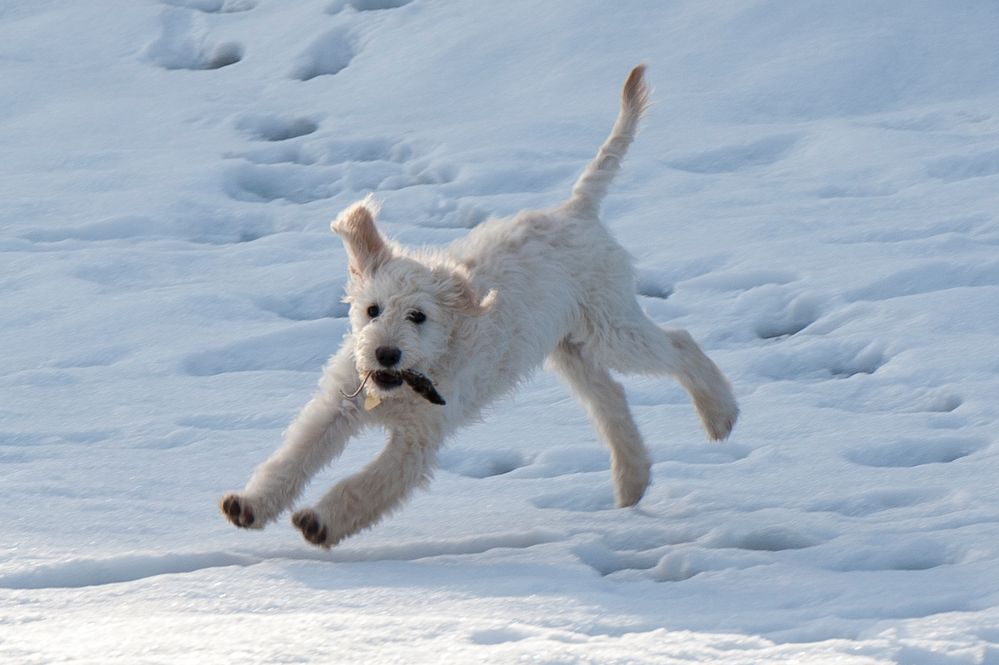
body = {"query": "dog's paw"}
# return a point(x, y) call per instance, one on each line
point(714, 401)
point(721, 427)
point(239, 511)
point(630, 482)
point(307, 521)
point(718, 417)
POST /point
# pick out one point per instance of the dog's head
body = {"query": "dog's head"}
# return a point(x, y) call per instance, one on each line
point(405, 308)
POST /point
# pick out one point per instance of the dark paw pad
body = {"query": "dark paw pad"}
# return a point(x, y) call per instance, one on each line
point(238, 512)
point(311, 527)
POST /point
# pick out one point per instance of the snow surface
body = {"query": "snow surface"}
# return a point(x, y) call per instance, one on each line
point(814, 195)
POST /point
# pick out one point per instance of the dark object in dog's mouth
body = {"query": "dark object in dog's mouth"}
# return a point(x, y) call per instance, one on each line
point(387, 380)
point(422, 386)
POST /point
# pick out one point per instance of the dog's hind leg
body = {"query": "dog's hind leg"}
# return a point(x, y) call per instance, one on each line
point(362, 500)
point(605, 402)
point(642, 347)
point(317, 435)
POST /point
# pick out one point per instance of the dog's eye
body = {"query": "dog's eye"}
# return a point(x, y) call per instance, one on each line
point(417, 317)
point(373, 311)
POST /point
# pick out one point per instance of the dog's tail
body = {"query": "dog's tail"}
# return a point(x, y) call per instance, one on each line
point(592, 185)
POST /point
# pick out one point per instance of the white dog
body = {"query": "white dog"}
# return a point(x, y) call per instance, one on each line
point(462, 326)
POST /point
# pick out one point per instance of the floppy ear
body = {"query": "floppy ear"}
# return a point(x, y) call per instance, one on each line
point(366, 249)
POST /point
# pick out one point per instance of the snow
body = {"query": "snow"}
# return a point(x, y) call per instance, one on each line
point(813, 195)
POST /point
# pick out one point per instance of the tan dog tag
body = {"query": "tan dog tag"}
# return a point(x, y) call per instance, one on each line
point(371, 401)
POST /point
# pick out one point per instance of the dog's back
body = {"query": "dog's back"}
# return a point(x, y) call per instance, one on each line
point(558, 272)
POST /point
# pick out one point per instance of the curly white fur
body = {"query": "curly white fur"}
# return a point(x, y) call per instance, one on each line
point(549, 284)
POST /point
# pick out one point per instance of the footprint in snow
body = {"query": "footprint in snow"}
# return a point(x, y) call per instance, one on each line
point(475, 463)
point(275, 127)
point(278, 133)
point(328, 55)
point(183, 45)
point(289, 181)
point(653, 285)
point(777, 311)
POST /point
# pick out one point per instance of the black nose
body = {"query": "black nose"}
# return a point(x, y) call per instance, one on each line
point(388, 356)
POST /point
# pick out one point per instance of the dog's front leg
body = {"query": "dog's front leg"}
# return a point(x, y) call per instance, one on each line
point(360, 501)
point(317, 436)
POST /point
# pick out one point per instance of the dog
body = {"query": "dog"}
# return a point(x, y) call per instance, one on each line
point(436, 335)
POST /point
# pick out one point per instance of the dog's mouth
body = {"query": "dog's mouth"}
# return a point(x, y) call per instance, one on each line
point(387, 380)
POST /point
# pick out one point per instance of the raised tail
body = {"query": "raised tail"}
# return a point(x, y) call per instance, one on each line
point(592, 185)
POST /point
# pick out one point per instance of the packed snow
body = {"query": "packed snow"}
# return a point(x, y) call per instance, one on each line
point(814, 195)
